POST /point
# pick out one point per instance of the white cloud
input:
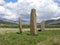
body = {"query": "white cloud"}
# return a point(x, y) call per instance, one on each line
point(2, 9)
point(10, 14)
point(46, 9)
point(10, 17)
point(1, 1)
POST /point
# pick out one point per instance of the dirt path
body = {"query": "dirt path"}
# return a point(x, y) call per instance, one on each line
point(2, 30)
point(6, 30)
point(52, 29)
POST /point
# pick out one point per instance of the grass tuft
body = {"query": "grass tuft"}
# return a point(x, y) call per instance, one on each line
point(56, 41)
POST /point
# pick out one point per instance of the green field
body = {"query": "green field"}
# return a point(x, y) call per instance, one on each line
point(47, 37)
point(26, 26)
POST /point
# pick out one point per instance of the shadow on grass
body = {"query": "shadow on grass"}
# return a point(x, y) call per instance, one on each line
point(39, 30)
point(18, 33)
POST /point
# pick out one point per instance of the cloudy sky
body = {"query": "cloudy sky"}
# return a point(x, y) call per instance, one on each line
point(46, 9)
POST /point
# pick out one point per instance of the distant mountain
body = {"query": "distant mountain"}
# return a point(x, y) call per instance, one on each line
point(7, 21)
point(53, 22)
point(48, 22)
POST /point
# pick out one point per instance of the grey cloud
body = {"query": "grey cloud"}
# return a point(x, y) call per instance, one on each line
point(57, 2)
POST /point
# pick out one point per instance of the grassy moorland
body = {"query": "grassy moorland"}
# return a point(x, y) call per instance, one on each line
point(47, 37)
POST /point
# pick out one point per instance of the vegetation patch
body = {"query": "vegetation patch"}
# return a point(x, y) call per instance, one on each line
point(45, 37)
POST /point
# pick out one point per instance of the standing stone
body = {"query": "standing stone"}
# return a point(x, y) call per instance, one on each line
point(33, 28)
point(20, 25)
point(42, 24)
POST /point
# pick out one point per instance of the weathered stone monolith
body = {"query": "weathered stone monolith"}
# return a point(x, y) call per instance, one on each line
point(20, 25)
point(33, 28)
point(42, 24)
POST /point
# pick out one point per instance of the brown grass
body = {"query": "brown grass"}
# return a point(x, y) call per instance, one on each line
point(56, 41)
point(41, 43)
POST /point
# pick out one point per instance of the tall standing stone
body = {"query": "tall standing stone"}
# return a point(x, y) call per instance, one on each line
point(42, 24)
point(20, 25)
point(33, 28)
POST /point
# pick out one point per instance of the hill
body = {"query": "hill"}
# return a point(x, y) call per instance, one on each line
point(8, 24)
point(53, 22)
point(12, 24)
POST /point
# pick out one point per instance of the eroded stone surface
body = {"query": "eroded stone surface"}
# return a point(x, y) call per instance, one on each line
point(42, 24)
point(20, 25)
point(33, 28)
